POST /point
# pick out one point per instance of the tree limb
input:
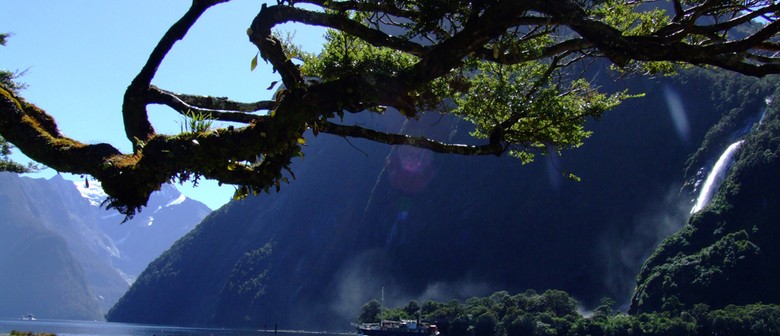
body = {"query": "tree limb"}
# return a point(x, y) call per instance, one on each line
point(416, 141)
point(213, 108)
point(136, 121)
point(554, 33)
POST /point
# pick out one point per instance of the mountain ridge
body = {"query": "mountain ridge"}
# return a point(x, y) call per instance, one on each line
point(362, 218)
point(101, 257)
point(729, 247)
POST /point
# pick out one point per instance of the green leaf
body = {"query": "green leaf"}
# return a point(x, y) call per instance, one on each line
point(253, 64)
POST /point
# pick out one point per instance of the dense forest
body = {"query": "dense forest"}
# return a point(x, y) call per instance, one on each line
point(554, 312)
point(379, 204)
point(311, 256)
point(715, 276)
point(727, 254)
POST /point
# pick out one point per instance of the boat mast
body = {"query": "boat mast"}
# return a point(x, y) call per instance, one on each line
point(382, 305)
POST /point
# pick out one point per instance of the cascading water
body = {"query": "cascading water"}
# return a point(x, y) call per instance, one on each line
point(721, 167)
point(716, 177)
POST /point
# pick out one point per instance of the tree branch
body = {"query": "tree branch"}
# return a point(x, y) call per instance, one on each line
point(576, 44)
point(450, 53)
point(416, 141)
point(229, 154)
point(137, 125)
point(213, 107)
point(275, 15)
point(740, 20)
point(129, 179)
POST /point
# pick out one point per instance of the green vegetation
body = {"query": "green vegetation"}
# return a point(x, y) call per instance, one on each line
point(7, 80)
point(554, 313)
point(6, 164)
point(514, 69)
point(245, 287)
point(727, 254)
point(740, 98)
point(194, 122)
point(28, 333)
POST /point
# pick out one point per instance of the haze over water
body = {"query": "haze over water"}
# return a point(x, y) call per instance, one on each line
point(90, 328)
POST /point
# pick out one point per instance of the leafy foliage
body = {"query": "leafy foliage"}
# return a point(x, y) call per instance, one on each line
point(346, 55)
point(513, 68)
point(6, 164)
point(530, 313)
point(370, 312)
point(543, 115)
point(530, 106)
point(7, 80)
point(196, 122)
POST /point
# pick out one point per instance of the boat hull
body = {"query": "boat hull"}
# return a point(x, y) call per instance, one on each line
point(393, 332)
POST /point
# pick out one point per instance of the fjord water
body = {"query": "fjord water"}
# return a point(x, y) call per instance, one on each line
point(83, 328)
point(89, 328)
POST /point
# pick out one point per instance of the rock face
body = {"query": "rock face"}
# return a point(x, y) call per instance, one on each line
point(363, 219)
point(728, 252)
point(68, 258)
point(30, 256)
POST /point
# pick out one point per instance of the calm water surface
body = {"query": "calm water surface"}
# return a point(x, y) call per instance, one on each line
point(87, 328)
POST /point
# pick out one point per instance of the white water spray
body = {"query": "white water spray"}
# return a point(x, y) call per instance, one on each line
point(716, 177)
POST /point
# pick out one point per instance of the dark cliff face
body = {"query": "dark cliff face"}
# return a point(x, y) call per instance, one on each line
point(728, 252)
point(364, 218)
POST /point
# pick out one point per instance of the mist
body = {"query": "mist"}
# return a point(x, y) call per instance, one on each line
point(625, 252)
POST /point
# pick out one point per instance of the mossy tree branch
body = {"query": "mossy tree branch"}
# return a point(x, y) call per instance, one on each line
point(136, 120)
point(502, 63)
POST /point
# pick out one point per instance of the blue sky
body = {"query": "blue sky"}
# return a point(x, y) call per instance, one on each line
point(80, 56)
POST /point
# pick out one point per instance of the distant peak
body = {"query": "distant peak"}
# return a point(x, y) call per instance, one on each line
point(177, 201)
point(93, 192)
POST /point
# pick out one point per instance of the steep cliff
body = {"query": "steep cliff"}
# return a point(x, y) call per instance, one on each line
point(728, 252)
point(63, 256)
point(41, 276)
point(363, 218)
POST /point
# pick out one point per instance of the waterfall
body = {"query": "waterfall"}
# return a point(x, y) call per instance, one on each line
point(716, 177)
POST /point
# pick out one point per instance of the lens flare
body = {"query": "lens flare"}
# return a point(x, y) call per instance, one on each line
point(677, 112)
point(410, 169)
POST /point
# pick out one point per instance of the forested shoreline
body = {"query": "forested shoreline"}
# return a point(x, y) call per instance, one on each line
point(555, 312)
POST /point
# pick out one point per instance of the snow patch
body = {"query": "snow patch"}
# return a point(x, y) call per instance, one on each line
point(113, 251)
point(177, 201)
point(93, 192)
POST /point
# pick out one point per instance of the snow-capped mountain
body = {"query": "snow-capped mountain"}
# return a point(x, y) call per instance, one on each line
point(168, 216)
point(101, 257)
point(91, 191)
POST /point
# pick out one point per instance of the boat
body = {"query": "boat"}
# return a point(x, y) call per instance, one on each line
point(28, 317)
point(398, 328)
